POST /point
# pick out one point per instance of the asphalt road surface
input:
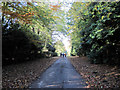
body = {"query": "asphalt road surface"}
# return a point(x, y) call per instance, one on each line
point(60, 75)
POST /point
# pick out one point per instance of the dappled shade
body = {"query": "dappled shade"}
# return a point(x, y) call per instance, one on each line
point(96, 32)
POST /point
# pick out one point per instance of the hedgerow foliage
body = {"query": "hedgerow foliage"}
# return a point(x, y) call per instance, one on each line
point(95, 31)
point(26, 30)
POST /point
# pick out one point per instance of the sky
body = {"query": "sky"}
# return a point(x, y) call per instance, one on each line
point(65, 7)
point(64, 38)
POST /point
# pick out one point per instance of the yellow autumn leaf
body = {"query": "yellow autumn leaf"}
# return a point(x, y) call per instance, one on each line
point(55, 17)
point(108, 15)
point(75, 19)
point(68, 25)
point(95, 8)
point(81, 3)
point(102, 17)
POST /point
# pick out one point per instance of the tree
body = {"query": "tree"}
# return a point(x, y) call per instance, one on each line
point(95, 26)
point(20, 25)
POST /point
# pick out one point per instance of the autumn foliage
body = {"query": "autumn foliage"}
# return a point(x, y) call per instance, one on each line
point(25, 32)
point(96, 32)
point(55, 7)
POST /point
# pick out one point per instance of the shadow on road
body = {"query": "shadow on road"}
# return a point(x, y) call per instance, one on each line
point(60, 75)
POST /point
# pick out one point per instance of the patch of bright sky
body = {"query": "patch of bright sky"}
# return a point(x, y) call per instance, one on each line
point(64, 38)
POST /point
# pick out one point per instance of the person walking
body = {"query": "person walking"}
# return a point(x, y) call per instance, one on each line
point(65, 54)
point(60, 54)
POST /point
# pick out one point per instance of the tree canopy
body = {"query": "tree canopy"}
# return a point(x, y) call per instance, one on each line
point(27, 29)
point(94, 30)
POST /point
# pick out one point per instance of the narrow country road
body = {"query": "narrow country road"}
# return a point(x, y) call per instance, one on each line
point(60, 75)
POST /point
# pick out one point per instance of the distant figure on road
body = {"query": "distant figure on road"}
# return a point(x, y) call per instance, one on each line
point(65, 54)
point(60, 54)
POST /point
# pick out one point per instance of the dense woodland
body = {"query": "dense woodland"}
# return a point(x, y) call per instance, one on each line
point(33, 33)
point(95, 31)
point(27, 31)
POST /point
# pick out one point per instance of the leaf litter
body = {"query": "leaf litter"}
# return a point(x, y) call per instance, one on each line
point(22, 75)
point(97, 75)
